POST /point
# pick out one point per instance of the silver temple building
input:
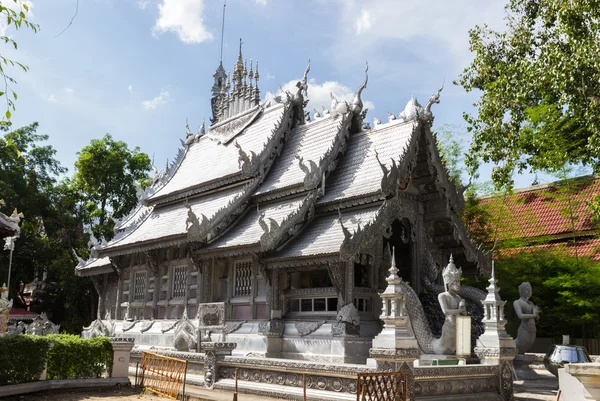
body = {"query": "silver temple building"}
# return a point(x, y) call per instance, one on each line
point(288, 218)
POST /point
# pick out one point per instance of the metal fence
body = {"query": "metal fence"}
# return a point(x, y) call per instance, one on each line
point(163, 375)
point(382, 386)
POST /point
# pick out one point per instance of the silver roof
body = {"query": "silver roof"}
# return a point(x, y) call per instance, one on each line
point(358, 172)
point(171, 220)
point(324, 235)
point(248, 231)
point(97, 265)
point(208, 160)
point(309, 141)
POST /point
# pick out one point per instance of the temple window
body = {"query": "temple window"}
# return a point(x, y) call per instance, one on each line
point(139, 286)
point(179, 281)
point(328, 304)
point(243, 278)
point(362, 304)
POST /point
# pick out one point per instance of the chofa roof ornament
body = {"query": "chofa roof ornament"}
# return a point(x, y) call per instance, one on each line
point(357, 103)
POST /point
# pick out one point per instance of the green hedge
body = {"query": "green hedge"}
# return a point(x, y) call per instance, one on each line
point(23, 357)
point(73, 357)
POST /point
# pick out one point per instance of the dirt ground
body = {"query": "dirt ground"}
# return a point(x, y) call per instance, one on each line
point(125, 394)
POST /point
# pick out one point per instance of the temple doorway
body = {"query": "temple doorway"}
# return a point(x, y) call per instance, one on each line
point(401, 241)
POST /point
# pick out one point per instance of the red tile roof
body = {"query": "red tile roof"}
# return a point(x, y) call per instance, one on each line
point(589, 248)
point(544, 210)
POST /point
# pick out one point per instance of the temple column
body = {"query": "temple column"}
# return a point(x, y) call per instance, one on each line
point(273, 328)
point(152, 262)
point(118, 297)
point(99, 286)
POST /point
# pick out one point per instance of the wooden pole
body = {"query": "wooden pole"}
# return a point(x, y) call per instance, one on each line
point(304, 384)
point(235, 393)
point(184, 379)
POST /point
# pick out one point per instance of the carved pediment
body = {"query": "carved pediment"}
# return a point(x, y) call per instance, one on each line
point(363, 239)
point(225, 131)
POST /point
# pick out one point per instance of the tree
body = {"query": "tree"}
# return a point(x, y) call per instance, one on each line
point(13, 12)
point(540, 83)
point(106, 174)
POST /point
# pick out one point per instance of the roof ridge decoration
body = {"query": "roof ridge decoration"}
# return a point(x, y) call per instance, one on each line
point(131, 227)
point(159, 182)
point(397, 176)
point(249, 164)
point(276, 233)
point(298, 100)
point(363, 239)
point(357, 104)
point(413, 111)
point(315, 173)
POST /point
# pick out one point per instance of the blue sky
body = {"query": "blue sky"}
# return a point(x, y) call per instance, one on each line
point(138, 68)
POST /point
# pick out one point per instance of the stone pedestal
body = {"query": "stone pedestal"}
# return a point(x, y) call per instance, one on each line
point(214, 352)
point(589, 375)
point(122, 350)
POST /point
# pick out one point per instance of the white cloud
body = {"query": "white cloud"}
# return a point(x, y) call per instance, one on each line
point(183, 17)
point(130, 88)
point(163, 98)
point(426, 31)
point(363, 23)
point(261, 2)
point(142, 4)
point(319, 94)
point(69, 91)
point(51, 99)
point(16, 7)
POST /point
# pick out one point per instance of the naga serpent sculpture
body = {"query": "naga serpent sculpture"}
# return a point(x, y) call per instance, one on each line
point(425, 338)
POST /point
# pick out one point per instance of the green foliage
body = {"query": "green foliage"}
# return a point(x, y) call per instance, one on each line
point(51, 228)
point(540, 83)
point(14, 14)
point(69, 357)
point(23, 358)
point(106, 174)
point(565, 289)
point(449, 140)
point(73, 357)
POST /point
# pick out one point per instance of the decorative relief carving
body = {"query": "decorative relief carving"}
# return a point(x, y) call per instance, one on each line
point(336, 274)
point(225, 131)
point(185, 334)
point(271, 328)
point(231, 327)
point(317, 382)
point(306, 328)
point(167, 326)
point(211, 315)
point(210, 364)
point(506, 381)
point(147, 325)
point(129, 325)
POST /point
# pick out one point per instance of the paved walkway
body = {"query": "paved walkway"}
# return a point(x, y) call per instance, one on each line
point(544, 387)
